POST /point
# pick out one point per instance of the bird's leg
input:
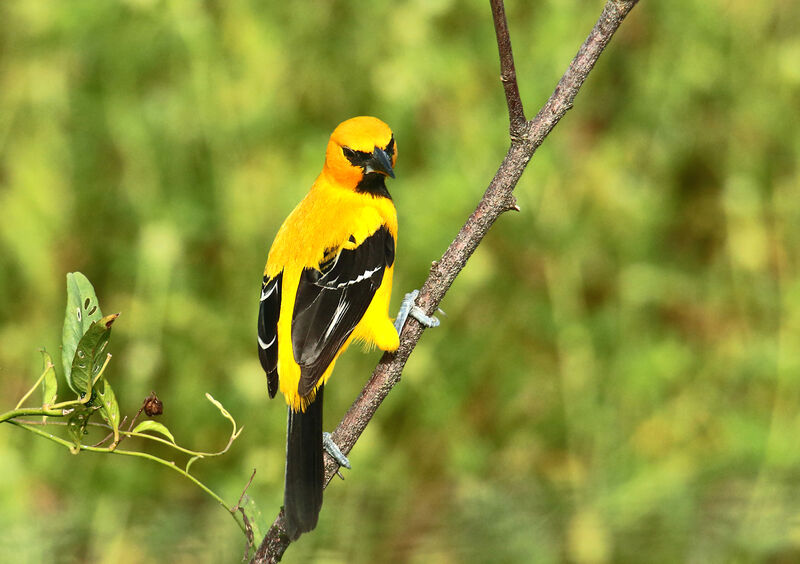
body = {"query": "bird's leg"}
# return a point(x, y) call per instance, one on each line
point(409, 307)
point(332, 449)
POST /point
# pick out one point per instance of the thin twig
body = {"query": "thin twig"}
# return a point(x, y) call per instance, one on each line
point(508, 74)
point(238, 505)
point(248, 527)
point(135, 417)
point(497, 199)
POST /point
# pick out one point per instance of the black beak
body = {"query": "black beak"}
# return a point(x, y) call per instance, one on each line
point(380, 162)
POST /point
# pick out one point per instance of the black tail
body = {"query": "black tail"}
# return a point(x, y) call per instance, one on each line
point(302, 495)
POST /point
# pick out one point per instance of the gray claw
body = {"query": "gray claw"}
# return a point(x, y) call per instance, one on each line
point(417, 313)
point(332, 449)
point(410, 308)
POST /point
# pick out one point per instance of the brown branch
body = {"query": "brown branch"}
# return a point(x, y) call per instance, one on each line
point(497, 199)
point(508, 74)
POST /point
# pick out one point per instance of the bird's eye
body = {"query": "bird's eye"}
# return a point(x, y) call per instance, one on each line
point(390, 147)
point(356, 158)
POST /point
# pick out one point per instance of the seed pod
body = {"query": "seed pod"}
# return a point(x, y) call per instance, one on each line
point(153, 405)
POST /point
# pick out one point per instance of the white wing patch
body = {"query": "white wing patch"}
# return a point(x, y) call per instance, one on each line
point(264, 346)
point(361, 277)
point(266, 291)
point(341, 309)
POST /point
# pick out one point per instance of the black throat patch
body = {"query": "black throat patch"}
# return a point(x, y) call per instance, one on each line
point(373, 183)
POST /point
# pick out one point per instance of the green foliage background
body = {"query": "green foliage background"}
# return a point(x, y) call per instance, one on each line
point(618, 376)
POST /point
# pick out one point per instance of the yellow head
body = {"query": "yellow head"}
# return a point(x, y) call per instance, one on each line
point(361, 154)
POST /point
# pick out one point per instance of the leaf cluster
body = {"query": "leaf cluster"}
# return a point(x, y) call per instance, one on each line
point(85, 358)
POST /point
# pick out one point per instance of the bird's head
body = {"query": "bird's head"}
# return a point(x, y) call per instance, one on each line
point(361, 154)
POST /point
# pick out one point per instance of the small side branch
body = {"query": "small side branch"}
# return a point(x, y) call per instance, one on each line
point(508, 73)
point(497, 199)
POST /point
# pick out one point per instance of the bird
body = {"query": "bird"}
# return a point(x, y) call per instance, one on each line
point(327, 282)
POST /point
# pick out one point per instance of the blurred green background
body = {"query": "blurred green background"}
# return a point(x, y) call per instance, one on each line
point(618, 375)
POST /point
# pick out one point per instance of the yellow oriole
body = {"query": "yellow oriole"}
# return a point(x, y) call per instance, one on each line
point(327, 281)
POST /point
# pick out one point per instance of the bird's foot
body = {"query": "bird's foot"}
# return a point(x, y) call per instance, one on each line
point(410, 308)
point(332, 449)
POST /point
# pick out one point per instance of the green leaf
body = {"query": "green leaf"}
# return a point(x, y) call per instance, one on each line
point(109, 408)
point(82, 310)
point(49, 382)
point(76, 426)
point(90, 355)
point(154, 426)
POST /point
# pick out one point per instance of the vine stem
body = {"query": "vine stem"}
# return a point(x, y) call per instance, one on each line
point(30, 412)
point(47, 368)
point(166, 463)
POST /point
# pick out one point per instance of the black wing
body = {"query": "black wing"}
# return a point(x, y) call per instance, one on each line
point(268, 314)
point(332, 300)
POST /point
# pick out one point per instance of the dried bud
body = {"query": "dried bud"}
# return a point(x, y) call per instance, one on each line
point(153, 405)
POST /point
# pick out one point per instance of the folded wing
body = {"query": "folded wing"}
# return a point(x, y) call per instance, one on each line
point(332, 299)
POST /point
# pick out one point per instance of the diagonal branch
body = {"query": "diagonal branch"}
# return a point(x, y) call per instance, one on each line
point(497, 199)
